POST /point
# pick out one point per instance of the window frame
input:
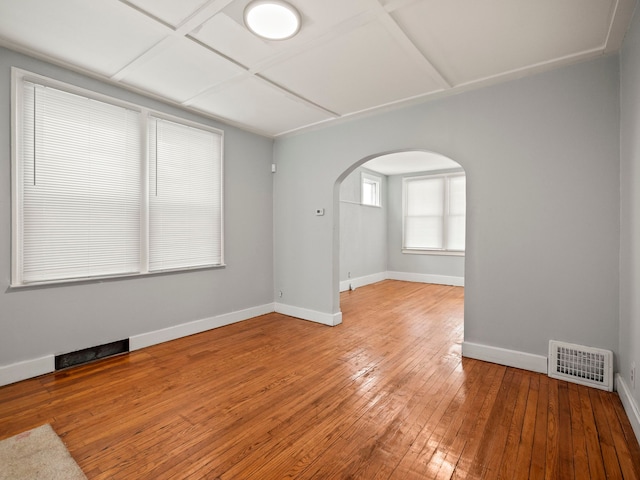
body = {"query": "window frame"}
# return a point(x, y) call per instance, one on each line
point(432, 251)
point(366, 177)
point(18, 77)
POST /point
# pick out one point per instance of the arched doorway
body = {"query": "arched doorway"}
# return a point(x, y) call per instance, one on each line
point(401, 216)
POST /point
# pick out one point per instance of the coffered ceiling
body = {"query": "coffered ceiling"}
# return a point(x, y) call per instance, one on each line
point(350, 56)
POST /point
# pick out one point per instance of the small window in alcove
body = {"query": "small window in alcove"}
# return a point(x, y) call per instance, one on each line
point(371, 190)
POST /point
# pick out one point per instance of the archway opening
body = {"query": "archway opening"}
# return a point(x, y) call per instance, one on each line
point(401, 216)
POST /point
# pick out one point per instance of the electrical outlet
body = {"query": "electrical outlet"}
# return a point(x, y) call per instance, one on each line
point(348, 274)
point(280, 293)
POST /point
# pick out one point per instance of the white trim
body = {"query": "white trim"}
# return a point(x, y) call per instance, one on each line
point(353, 283)
point(426, 278)
point(143, 340)
point(403, 276)
point(619, 25)
point(502, 356)
point(40, 366)
point(16, 178)
point(450, 253)
point(629, 403)
point(331, 319)
point(27, 369)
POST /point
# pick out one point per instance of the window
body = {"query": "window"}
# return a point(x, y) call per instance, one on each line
point(370, 190)
point(105, 188)
point(184, 196)
point(434, 214)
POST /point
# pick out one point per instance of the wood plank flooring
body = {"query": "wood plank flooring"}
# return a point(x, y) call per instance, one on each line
point(385, 395)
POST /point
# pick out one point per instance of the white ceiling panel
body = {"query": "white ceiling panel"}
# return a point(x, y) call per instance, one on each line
point(469, 41)
point(99, 36)
point(170, 11)
point(253, 102)
point(354, 71)
point(228, 37)
point(182, 70)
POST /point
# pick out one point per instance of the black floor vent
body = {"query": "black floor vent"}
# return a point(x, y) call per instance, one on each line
point(90, 354)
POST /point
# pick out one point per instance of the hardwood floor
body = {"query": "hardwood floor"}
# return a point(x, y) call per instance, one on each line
point(385, 395)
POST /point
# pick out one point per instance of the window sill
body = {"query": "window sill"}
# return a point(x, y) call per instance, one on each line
point(360, 203)
point(450, 253)
point(108, 278)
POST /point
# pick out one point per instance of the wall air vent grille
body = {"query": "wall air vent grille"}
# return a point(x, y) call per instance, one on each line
point(579, 364)
point(90, 354)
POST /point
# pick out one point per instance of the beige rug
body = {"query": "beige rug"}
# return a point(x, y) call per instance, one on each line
point(37, 454)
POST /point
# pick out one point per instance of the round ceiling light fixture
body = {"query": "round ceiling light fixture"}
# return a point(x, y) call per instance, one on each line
point(272, 19)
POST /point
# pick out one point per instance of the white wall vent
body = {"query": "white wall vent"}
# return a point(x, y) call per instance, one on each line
point(579, 364)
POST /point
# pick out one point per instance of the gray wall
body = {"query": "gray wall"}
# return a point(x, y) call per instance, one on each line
point(363, 229)
point(56, 319)
point(445, 265)
point(541, 156)
point(630, 206)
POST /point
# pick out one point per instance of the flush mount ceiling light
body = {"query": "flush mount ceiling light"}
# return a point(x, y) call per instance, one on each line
point(272, 19)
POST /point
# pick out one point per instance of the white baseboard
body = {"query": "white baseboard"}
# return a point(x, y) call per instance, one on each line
point(426, 278)
point(502, 356)
point(403, 276)
point(147, 339)
point(629, 403)
point(362, 281)
point(312, 315)
point(40, 366)
point(27, 369)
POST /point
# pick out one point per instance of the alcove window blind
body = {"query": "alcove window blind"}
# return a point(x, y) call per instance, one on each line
point(456, 212)
point(106, 189)
point(435, 212)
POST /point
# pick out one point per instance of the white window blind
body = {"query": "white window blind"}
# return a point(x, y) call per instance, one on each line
point(185, 196)
point(424, 213)
point(457, 208)
point(105, 188)
point(434, 213)
point(80, 187)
